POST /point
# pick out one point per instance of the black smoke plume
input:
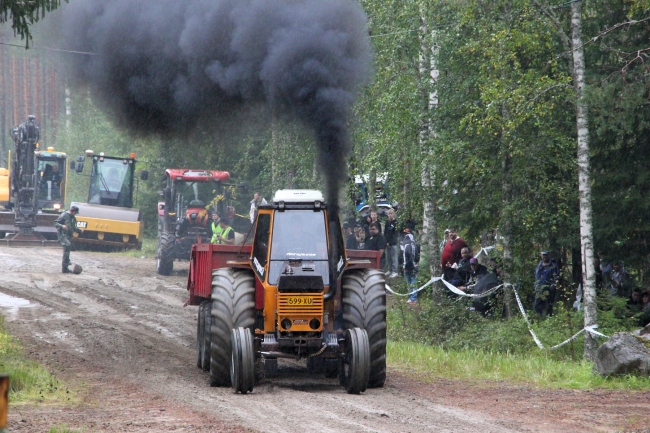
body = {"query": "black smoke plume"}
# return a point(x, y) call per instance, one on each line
point(165, 66)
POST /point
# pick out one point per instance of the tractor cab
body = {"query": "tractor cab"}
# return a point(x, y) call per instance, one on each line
point(292, 252)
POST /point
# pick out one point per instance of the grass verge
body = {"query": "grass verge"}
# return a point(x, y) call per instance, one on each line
point(426, 362)
point(28, 381)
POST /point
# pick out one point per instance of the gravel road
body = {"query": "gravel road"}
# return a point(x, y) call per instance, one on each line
point(120, 333)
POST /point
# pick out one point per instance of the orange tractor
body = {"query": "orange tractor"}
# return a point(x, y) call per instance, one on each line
point(294, 292)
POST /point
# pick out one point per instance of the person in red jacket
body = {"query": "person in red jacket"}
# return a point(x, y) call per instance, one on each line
point(451, 254)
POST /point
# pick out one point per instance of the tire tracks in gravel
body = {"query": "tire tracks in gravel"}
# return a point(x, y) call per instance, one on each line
point(122, 322)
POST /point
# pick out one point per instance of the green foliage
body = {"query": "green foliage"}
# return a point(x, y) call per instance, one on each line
point(28, 381)
point(25, 13)
point(505, 145)
point(620, 119)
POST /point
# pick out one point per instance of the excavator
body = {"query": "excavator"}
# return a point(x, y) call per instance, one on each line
point(32, 189)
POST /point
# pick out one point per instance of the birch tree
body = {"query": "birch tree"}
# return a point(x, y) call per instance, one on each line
point(428, 76)
point(584, 185)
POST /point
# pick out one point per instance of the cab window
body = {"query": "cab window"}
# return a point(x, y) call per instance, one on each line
point(261, 244)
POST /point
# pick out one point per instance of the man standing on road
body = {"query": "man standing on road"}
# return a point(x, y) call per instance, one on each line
point(392, 244)
point(66, 225)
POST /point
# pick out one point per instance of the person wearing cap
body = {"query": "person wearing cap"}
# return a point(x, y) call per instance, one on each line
point(476, 272)
point(546, 278)
point(410, 266)
point(66, 225)
point(350, 238)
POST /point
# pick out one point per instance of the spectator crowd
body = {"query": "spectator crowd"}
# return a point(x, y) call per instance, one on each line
point(462, 269)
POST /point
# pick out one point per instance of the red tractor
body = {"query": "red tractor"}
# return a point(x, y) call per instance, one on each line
point(188, 199)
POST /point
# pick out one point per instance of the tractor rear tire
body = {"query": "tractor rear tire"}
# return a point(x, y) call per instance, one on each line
point(165, 257)
point(355, 364)
point(242, 366)
point(233, 306)
point(364, 306)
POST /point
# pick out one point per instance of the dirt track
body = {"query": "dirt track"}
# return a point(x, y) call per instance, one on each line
point(119, 334)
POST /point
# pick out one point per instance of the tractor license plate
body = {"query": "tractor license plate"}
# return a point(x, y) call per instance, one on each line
point(300, 300)
point(82, 224)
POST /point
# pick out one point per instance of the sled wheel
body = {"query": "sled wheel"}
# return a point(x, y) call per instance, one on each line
point(207, 325)
point(242, 366)
point(355, 362)
point(200, 341)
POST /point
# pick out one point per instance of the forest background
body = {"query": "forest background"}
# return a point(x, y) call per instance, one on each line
point(499, 110)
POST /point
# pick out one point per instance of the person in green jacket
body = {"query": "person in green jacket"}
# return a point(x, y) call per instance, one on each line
point(222, 233)
point(66, 225)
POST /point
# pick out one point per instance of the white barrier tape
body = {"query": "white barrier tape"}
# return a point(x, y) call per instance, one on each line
point(431, 281)
point(591, 328)
point(484, 250)
point(470, 295)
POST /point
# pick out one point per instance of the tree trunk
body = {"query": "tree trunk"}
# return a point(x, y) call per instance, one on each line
point(506, 232)
point(428, 76)
point(584, 187)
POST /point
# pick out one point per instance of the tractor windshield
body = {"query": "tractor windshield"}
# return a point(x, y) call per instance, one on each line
point(111, 182)
point(205, 192)
point(299, 234)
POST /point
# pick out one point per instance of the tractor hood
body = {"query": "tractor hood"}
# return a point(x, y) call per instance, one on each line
point(107, 212)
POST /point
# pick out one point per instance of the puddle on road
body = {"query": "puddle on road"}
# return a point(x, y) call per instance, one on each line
point(12, 303)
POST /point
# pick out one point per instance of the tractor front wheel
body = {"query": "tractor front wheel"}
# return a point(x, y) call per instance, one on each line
point(233, 306)
point(364, 306)
point(242, 366)
point(165, 256)
point(355, 362)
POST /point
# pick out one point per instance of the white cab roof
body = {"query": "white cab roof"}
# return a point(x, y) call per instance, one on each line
point(298, 196)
